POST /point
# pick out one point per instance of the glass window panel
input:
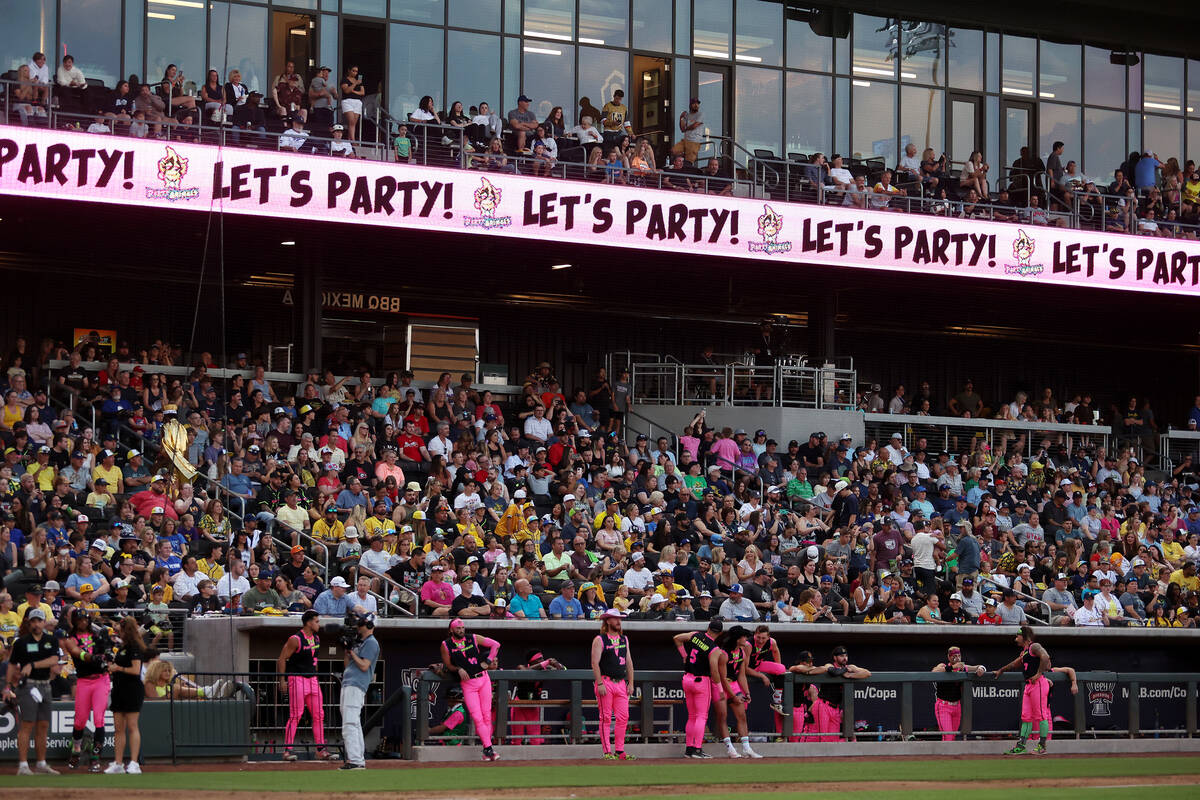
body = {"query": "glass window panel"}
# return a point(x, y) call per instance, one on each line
point(1103, 144)
point(1133, 130)
point(1163, 136)
point(922, 118)
point(682, 70)
point(512, 75)
point(135, 53)
point(966, 59)
point(604, 22)
point(841, 111)
point(28, 28)
point(1193, 140)
point(841, 55)
point(548, 77)
point(172, 38)
point(714, 21)
point(758, 103)
point(1058, 123)
point(874, 48)
point(992, 143)
point(652, 25)
point(434, 11)
point(329, 42)
point(1134, 83)
point(247, 44)
point(415, 68)
point(963, 129)
point(310, 5)
point(550, 19)
point(807, 50)
point(512, 16)
point(992, 76)
point(367, 8)
point(1164, 83)
point(601, 72)
point(91, 32)
point(1193, 92)
point(874, 110)
point(712, 91)
point(924, 57)
point(480, 14)
point(759, 32)
point(1019, 56)
point(1104, 82)
point(683, 28)
point(809, 113)
point(326, 5)
point(475, 77)
point(1059, 72)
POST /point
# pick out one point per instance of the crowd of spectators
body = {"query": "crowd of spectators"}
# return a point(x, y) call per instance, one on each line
point(1143, 195)
point(339, 493)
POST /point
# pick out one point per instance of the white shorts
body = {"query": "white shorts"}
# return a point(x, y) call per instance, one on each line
point(352, 106)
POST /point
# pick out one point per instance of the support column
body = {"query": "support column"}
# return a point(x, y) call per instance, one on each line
point(822, 310)
point(309, 285)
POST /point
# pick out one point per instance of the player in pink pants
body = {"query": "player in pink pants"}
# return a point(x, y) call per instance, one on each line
point(93, 686)
point(461, 656)
point(612, 670)
point(827, 708)
point(696, 649)
point(947, 707)
point(765, 661)
point(298, 663)
point(530, 690)
point(1034, 663)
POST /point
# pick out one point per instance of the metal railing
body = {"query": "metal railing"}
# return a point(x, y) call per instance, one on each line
point(788, 383)
point(956, 434)
point(654, 690)
point(1175, 446)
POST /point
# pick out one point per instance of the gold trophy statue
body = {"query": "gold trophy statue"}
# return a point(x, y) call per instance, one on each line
point(174, 454)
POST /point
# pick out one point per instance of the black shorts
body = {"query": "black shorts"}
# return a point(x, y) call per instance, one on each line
point(127, 698)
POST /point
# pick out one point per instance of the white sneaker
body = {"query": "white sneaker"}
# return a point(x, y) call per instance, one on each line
point(748, 752)
point(134, 768)
point(115, 768)
point(45, 769)
point(24, 770)
point(732, 751)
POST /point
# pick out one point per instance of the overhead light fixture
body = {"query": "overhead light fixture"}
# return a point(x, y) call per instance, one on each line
point(1015, 90)
point(709, 53)
point(178, 3)
point(156, 15)
point(912, 76)
point(1048, 95)
point(543, 50)
point(298, 32)
point(751, 59)
point(587, 40)
point(1161, 106)
point(561, 266)
point(288, 244)
point(557, 36)
point(864, 84)
point(887, 73)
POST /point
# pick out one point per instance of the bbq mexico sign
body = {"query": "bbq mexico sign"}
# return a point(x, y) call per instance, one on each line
point(177, 175)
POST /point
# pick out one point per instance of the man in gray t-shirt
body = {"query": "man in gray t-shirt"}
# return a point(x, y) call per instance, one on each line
point(1061, 602)
point(522, 121)
point(321, 100)
point(360, 668)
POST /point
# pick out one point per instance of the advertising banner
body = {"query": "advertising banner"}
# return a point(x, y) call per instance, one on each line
point(156, 174)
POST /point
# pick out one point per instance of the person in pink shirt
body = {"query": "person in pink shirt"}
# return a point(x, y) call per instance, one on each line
point(388, 468)
point(726, 450)
point(436, 593)
point(462, 655)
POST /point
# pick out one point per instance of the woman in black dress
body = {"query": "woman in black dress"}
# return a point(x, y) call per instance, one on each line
point(127, 696)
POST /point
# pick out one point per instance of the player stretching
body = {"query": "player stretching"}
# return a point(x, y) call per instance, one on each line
point(461, 656)
point(765, 660)
point(298, 663)
point(612, 667)
point(947, 707)
point(730, 692)
point(695, 648)
point(1034, 662)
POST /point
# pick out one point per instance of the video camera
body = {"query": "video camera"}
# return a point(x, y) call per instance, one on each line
point(347, 632)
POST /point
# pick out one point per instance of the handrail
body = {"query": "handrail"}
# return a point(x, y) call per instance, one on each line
point(951, 429)
point(1167, 458)
point(914, 419)
point(779, 385)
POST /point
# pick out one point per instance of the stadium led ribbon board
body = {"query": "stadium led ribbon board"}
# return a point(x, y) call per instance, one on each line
point(177, 175)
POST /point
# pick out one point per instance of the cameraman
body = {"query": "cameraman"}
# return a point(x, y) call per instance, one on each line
point(33, 662)
point(360, 668)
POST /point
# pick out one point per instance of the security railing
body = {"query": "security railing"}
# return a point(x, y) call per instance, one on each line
point(994, 436)
point(1177, 448)
point(869, 709)
point(788, 383)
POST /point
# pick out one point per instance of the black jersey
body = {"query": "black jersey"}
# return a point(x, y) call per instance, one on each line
point(950, 692)
point(697, 650)
point(303, 662)
point(614, 657)
point(464, 654)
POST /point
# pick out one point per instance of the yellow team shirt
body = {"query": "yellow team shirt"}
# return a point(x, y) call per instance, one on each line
point(472, 530)
point(1173, 552)
point(329, 533)
point(213, 570)
point(168, 592)
point(615, 115)
point(45, 478)
point(1191, 584)
point(113, 476)
point(45, 607)
point(10, 623)
point(377, 527)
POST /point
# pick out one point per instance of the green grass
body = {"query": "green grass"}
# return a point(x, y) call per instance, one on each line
point(1160, 793)
point(643, 773)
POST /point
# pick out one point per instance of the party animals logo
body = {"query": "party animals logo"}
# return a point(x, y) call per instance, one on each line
point(1023, 248)
point(487, 201)
point(172, 169)
point(770, 225)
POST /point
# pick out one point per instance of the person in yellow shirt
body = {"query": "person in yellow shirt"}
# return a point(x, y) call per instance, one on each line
point(10, 622)
point(611, 508)
point(1172, 551)
point(108, 469)
point(1187, 578)
point(380, 524)
point(33, 597)
point(329, 529)
point(667, 588)
point(467, 526)
point(211, 566)
point(42, 471)
point(512, 522)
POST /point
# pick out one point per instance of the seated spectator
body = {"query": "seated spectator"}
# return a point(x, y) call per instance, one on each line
point(151, 107)
point(884, 191)
point(585, 132)
point(485, 125)
point(287, 93)
point(295, 138)
point(72, 86)
point(714, 182)
point(974, 175)
point(523, 123)
point(840, 176)
point(249, 116)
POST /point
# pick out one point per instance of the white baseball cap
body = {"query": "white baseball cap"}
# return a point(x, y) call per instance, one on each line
point(339, 581)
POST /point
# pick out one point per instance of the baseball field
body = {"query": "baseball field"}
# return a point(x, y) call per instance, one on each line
point(1167, 776)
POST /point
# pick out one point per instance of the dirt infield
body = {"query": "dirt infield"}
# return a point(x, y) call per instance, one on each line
point(748, 789)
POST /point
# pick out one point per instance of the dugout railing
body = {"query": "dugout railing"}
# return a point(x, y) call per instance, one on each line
point(1120, 694)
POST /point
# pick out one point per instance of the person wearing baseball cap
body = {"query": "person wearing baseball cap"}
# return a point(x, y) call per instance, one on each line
point(947, 704)
point(698, 649)
point(612, 671)
point(35, 651)
point(827, 707)
point(297, 664)
point(334, 600)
